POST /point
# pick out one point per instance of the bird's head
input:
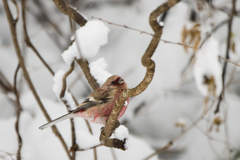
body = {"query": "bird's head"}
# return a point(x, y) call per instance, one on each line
point(116, 81)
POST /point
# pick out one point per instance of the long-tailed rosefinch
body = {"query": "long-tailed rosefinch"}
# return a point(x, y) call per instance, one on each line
point(99, 104)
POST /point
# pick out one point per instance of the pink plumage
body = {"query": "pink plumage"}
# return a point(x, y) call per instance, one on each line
point(99, 104)
point(94, 114)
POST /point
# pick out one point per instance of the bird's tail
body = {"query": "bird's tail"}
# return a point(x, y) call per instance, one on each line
point(53, 122)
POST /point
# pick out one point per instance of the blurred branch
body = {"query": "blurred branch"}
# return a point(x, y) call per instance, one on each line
point(73, 83)
point(19, 110)
point(5, 84)
point(27, 40)
point(71, 12)
point(141, 32)
point(12, 26)
point(150, 66)
point(78, 18)
point(62, 94)
point(9, 154)
point(17, 8)
point(227, 54)
point(46, 17)
point(182, 133)
point(64, 84)
point(213, 30)
point(54, 37)
point(227, 60)
point(90, 148)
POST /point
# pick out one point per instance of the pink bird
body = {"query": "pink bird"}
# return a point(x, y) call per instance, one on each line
point(99, 104)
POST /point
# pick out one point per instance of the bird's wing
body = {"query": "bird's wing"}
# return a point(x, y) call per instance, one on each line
point(101, 97)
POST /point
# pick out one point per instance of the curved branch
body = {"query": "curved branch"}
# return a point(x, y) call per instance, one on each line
point(19, 110)
point(146, 62)
point(64, 83)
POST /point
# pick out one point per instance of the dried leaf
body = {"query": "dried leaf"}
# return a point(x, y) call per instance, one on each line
point(191, 36)
point(211, 85)
point(233, 47)
point(184, 36)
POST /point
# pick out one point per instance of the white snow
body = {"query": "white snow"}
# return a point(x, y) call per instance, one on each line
point(57, 87)
point(89, 40)
point(125, 103)
point(69, 55)
point(121, 133)
point(97, 69)
point(86, 140)
point(161, 23)
point(207, 65)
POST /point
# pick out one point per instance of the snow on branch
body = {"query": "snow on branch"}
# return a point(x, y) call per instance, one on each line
point(57, 88)
point(122, 134)
point(89, 40)
point(97, 69)
point(208, 70)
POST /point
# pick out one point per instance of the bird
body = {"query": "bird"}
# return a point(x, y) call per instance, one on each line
point(98, 106)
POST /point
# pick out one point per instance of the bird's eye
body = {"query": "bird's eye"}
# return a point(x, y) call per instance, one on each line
point(113, 82)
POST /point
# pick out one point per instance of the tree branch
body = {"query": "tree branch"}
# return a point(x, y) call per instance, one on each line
point(227, 54)
point(27, 40)
point(78, 18)
point(19, 110)
point(12, 27)
point(71, 12)
point(146, 62)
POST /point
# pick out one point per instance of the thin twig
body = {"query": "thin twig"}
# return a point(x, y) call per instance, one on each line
point(181, 134)
point(5, 83)
point(229, 61)
point(230, 81)
point(27, 40)
point(12, 27)
point(227, 54)
point(226, 128)
point(19, 110)
point(9, 154)
point(62, 94)
point(141, 32)
point(17, 8)
point(214, 30)
point(73, 83)
point(79, 149)
point(209, 137)
point(113, 153)
point(46, 17)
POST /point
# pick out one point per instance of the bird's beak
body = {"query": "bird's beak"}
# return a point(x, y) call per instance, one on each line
point(120, 81)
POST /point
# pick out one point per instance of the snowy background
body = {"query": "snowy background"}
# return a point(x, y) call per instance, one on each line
point(162, 112)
